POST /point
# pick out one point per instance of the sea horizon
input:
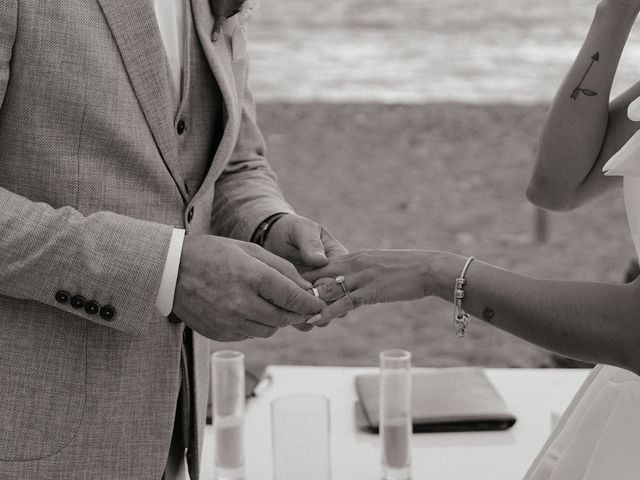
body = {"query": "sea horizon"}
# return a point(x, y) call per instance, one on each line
point(421, 51)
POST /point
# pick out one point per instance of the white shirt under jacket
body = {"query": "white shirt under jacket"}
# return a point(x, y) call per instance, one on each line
point(170, 16)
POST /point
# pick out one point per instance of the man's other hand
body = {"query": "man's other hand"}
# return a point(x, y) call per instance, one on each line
point(229, 290)
point(303, 242)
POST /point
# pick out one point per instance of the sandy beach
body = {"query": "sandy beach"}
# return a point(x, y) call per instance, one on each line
point(437, 176)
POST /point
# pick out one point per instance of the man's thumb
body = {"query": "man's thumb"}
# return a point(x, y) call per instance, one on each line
point(312, 251)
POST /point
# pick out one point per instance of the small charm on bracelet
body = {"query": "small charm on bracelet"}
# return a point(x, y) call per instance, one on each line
point(461, 324)
point(460, 317)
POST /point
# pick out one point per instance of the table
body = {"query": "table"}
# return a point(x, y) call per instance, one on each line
point(533, 395)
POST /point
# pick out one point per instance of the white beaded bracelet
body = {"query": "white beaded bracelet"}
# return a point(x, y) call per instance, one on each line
point(460, 317)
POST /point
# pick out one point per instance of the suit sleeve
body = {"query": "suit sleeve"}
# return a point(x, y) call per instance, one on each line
point(111, 261)
point(247, 192)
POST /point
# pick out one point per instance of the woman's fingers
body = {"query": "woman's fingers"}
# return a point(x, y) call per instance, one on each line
point(329, 290)
point(335, 267)
point(339, 308)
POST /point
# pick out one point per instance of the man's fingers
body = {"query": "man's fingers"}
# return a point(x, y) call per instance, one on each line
point(270, 315)
point(312, 252)
point(283, 266)
point(337, 309)
point(303, 327)
point(256, 330)
point(309, 242)
point(332, 247)
point(284, 293)
point(232, 337)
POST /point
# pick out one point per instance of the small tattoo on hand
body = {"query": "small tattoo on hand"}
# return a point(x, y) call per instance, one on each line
point(488, 315)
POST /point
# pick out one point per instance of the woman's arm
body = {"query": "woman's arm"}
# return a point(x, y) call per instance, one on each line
point(583, 130)
point(595, 322)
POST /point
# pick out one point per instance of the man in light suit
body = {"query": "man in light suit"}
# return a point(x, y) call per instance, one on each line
point(123, 126)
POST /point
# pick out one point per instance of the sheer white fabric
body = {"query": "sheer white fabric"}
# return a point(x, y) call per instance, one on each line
point(598, 436)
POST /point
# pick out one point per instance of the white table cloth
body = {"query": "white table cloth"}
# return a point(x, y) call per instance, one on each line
point(533, 395)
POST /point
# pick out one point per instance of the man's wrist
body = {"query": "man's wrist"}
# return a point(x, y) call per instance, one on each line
point(260, 234)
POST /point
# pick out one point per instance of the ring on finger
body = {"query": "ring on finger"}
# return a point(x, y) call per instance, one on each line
point(315, 292)
point(340, 281)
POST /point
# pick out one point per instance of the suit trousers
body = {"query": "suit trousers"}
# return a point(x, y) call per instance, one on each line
point(176, 468)
point(184, 427)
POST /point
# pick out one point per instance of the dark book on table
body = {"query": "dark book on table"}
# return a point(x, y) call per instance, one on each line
point(443, 400)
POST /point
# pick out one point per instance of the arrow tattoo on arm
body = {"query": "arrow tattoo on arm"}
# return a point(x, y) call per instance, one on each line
point(578, 90)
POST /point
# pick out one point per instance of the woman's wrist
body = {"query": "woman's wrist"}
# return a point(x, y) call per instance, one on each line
point(441, 271)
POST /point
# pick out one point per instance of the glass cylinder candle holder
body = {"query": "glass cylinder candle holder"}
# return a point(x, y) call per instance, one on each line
point(227, 380)
point(395, 414)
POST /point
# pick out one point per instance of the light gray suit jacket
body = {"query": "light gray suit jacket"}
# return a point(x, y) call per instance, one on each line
point(89, 192)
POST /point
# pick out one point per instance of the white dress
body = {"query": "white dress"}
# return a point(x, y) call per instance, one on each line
point(598, 437)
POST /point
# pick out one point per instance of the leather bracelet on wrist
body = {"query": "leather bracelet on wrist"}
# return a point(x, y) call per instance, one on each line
point(260, 235)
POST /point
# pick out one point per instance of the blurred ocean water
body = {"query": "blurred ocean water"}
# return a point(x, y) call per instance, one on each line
point(416, 51)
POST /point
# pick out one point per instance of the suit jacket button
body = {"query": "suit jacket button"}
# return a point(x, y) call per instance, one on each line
point(107, 313)
point(92, 307)
point(78, 301)
point(62, 296)
point(181, 127)
point(190, 215)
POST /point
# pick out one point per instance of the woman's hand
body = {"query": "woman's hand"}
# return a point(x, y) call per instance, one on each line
point(373, 276)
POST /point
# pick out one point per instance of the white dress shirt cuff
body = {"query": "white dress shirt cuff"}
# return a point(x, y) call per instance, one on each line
point(167, 290)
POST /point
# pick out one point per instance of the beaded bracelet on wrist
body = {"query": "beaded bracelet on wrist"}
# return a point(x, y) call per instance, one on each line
point(460, 317)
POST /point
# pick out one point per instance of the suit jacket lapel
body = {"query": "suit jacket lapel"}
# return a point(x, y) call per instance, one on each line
point(219, 59)
point(137, 35)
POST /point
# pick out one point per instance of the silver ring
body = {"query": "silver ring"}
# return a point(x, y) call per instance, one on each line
point(315, 292)
point(340, 281)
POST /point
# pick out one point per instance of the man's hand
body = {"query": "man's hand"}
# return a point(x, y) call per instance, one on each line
point(229, 290)
point(305, 244)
